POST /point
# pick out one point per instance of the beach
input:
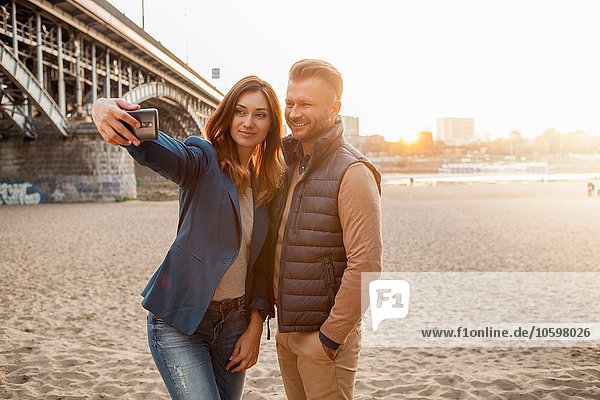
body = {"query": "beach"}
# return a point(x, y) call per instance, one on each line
point(73, 328)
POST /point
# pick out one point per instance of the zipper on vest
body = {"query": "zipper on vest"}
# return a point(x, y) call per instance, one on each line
point(275, 222)
point(297, 209)
point(285, 233)
point(281, 263)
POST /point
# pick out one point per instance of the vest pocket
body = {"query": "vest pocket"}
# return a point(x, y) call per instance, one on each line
point(329, 279)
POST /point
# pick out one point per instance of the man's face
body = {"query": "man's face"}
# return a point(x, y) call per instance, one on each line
point(310, 108)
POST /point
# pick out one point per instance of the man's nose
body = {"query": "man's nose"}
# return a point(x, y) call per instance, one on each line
point(294, 112)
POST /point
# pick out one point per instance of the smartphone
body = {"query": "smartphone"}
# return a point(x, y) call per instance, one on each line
point(148, 118)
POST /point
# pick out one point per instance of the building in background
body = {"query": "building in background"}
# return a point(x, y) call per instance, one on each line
point(515, 135)
point(352, 130)
point(456, 131)
point(373, 145)
point(483, 136)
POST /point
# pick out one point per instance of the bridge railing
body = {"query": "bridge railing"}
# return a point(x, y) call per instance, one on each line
point(18, 73)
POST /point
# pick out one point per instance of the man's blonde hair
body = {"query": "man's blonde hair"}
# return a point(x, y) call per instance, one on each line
point(310, 68)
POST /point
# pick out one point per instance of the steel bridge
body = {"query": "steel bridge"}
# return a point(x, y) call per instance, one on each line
point(58, 56)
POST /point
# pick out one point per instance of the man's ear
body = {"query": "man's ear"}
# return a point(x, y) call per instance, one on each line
point(335, 108)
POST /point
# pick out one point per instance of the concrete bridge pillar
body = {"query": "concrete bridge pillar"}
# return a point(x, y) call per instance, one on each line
point(53, 170)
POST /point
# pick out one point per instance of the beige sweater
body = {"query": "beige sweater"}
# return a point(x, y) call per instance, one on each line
point(233, 283)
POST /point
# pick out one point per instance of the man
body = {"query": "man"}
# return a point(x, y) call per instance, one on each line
point(327, 231)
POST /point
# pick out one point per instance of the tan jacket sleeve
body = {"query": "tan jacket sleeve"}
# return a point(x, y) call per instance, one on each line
point(359, 208)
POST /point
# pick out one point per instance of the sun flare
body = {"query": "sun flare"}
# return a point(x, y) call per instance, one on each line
point(409, 137)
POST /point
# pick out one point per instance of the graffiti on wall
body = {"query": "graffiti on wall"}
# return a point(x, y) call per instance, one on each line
point(58, 195)
point(63, 190)
point(19, 193)
point(83, 187)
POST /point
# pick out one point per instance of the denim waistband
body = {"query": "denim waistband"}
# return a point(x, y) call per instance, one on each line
point(227, 305)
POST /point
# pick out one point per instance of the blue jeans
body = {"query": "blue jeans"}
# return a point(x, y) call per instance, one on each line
point(193, 367)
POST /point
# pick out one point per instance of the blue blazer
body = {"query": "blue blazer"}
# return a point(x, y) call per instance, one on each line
point(208, 235)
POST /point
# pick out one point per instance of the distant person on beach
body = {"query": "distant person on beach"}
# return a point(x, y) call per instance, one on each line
point(590, 188)
point(205, 309)
point(327, 231)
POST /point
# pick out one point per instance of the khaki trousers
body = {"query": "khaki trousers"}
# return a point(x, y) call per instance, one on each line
point(309, 374)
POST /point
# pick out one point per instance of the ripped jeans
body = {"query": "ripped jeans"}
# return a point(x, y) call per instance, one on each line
point(193, 367)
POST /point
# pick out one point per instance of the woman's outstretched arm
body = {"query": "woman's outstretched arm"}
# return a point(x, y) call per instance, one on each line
point(176, 161)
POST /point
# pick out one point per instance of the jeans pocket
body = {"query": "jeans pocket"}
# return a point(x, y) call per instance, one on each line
point(152, 331)
point(237, 320)
point(165, 335)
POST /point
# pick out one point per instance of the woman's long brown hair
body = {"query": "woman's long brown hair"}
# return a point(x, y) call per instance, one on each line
point(267, 160)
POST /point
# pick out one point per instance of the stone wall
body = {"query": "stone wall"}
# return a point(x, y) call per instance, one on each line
point(153, 187)
point(55, 169)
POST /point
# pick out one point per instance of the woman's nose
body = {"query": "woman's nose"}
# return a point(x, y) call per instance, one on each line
point(248, 121)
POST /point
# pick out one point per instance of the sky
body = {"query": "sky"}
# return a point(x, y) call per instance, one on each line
point(525, 64)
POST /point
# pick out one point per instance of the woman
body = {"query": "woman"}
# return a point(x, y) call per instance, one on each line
point(200, 334)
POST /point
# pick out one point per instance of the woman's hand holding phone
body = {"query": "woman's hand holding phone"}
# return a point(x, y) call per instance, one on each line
point(108, 115)
point(148, 119)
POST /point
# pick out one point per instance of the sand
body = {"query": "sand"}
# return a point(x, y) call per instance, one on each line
point(72, 326)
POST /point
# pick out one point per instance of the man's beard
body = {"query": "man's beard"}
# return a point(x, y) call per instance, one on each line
point(319, 129)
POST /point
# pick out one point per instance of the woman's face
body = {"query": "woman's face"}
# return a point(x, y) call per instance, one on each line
point(251, 121)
